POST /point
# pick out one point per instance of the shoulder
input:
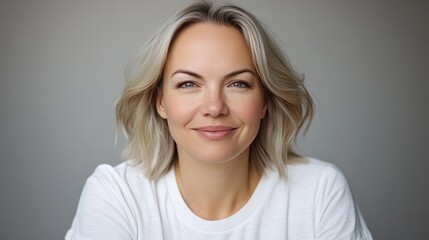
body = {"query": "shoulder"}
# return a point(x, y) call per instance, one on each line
point(106, 207)
point(309, 179)
point(104, 182)
point(321, 180)
point(114, 183)
point(318, 178)
point(121, 184)
point(120, 171)
point(124, 176)
point(322, 187)
point(314, 170)
point(310, 164)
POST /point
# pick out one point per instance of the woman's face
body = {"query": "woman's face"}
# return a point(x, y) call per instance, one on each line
point(211, 95)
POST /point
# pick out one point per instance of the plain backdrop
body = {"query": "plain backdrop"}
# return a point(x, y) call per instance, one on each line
point(61, 71)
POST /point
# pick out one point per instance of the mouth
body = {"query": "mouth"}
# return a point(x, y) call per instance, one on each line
point(214, 132)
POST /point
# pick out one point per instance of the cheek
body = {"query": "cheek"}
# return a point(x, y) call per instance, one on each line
point(251, 110)
point(179, 111)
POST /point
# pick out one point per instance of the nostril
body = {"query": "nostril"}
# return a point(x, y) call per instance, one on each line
point(214, 106)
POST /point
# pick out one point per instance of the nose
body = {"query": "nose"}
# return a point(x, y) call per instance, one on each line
point(213, 103)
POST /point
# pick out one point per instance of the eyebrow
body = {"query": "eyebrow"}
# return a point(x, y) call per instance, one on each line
point(231, 74)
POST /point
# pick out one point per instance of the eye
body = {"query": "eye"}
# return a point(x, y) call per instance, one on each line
point(240, 84)
point(186, 85)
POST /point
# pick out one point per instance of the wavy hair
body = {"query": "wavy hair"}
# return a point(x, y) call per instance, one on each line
point(289, 105)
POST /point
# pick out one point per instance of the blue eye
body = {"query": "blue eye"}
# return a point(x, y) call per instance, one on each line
point(240, 84)
point(187, 84)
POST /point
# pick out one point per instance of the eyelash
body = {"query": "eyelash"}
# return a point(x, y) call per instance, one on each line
point(192, 84)
point(185, 84)
point(243, 84)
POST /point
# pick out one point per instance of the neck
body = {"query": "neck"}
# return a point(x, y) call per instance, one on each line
point(216, 191)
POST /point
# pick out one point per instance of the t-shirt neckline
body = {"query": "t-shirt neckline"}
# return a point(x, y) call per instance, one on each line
point(253, 205)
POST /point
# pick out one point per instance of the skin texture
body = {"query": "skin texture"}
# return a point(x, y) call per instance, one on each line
point(213, 102)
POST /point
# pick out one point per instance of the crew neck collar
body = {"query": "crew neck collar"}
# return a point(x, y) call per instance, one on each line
point(253, 205)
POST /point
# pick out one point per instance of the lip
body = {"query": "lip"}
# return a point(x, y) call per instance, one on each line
point(214, 132)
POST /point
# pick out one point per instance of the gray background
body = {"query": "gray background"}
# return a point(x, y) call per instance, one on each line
point(61, 71)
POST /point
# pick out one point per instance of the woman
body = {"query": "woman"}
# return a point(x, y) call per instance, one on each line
point(210, 110)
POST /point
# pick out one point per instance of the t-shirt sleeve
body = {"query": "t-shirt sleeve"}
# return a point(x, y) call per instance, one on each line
point(103, 210)
point(336, 213)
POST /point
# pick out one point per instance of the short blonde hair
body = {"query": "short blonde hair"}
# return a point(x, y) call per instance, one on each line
point(289, 104)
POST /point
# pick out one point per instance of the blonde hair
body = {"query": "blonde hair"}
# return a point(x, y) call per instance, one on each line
point(289, 103)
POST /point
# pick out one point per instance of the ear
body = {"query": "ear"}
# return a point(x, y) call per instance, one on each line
point(264, 110)
point(160, 104)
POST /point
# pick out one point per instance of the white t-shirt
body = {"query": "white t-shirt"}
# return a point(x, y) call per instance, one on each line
point(313, 202)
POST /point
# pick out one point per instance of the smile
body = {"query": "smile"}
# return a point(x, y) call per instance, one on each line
point(214, 132)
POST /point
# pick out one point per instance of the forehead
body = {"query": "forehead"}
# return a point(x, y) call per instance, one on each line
point(209, 43)
point(208, 31)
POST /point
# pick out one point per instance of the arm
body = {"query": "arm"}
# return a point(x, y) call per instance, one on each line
point(336, 214)
point(103, 212)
